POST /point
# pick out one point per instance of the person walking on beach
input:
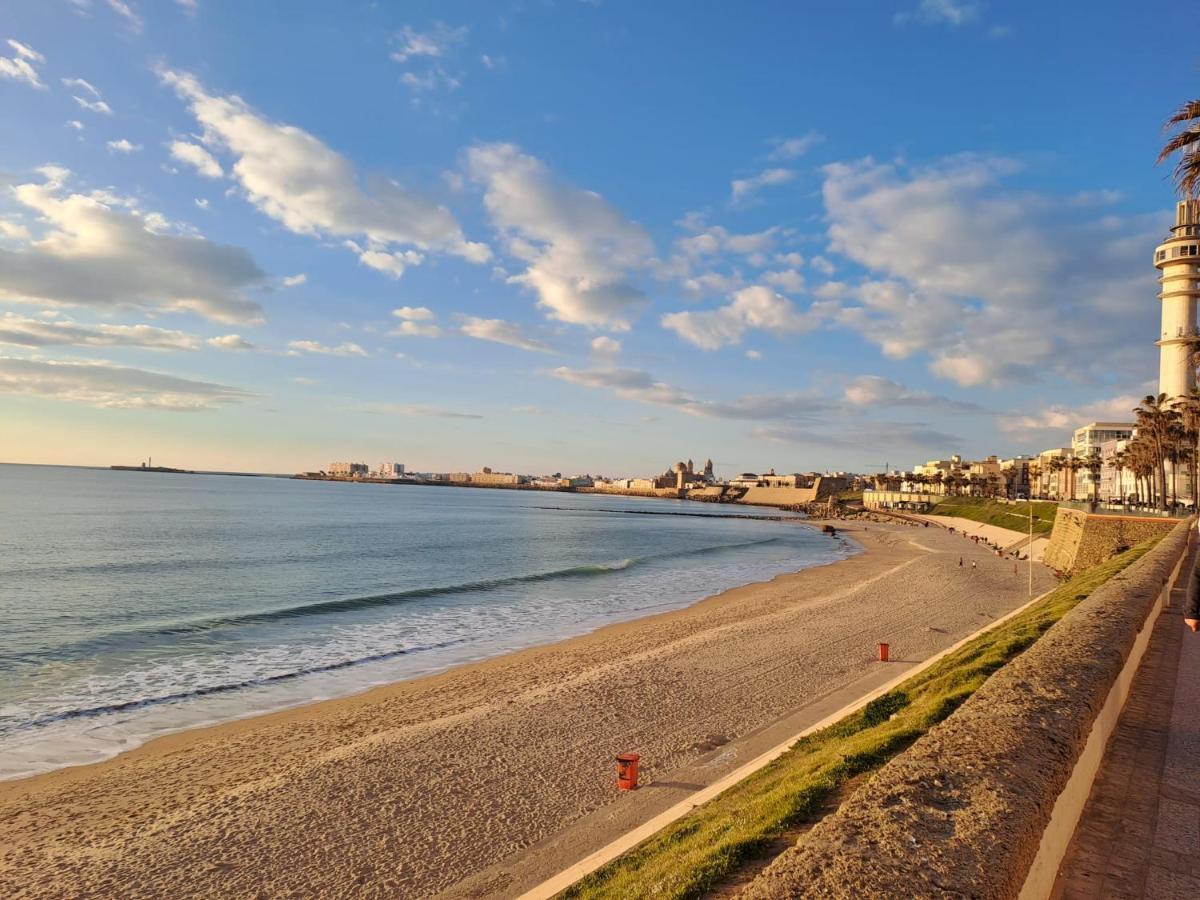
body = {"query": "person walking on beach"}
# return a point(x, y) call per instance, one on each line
point(960, 562)
point(974, 564)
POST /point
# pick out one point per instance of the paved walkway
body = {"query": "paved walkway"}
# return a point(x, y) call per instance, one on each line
point(1139, 835)
point(1006, 538)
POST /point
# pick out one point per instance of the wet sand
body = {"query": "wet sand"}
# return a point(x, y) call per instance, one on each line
point(408, 789)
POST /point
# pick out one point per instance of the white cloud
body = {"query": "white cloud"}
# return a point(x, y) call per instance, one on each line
point(435, 43)
point(642, 387)
point(502, 332)
point(295, 280)
point(787, 280)
point(391, 264)
point(876, 391)
point(201, 202)
point(997, 285)
point(125, 11)
point(99, 250)
point(231, 342)
point(19, 67)
point(1052, 424)
point(307, 187)
point(408, 409)
point(82, 83)
point(753, 354)
point(13, 230)
point(21, 331)
point(862, 438)
point(822, 265)
point(25, 52)
point(96, 106)
point(743, 188)
point(197, 157)
point(417, 321)
point(411, 328)
point(430, 81)
point(793, 148)
point(753, 307)
point(606, 346)
point(580, 250)
point(714, 239)
point(942, 12)
point(414, 313)
point(123, 146)
point(105, 384)
point(344, 349)
point(76, 124)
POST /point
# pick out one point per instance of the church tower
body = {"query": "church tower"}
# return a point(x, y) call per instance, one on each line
point(1178, 261)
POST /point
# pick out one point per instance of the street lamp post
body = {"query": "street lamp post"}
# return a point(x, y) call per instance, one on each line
point(1030, 544)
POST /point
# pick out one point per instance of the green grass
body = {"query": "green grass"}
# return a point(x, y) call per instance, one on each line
point(707, 847)
point(849, 495)
point(1014, 516)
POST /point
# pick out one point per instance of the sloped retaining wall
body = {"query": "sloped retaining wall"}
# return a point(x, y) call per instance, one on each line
point(1081, 540)
point(984, 804)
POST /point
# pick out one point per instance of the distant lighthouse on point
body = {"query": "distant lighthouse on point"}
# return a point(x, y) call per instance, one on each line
point(1178, 261)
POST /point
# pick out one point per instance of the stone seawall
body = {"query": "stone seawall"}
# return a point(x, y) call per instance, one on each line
point(1081, 540)
point(963, 812)
point(778, 496)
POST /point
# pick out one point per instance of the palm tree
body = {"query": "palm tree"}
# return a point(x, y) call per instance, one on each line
point(1034, 470)
point(1093, 465)
point(1056, 465)
point(1154, 418)
point(1189, 416)
point(1120, 461)
point(1072, 464)
point(1187, 140)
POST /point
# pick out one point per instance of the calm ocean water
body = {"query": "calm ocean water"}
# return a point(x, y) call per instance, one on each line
point(135, 604)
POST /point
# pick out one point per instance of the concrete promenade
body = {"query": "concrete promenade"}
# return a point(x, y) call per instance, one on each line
point(1139, 835)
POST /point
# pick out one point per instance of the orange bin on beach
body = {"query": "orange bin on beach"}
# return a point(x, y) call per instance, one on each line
point(884, 652)
point(627, 771)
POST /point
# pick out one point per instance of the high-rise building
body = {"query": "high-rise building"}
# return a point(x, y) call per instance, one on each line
point(1178, 259)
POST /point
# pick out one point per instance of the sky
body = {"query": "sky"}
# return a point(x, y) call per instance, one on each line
point(577, 236)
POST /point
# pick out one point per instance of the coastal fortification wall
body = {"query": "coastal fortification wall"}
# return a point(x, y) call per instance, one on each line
point(670, 493)
point(984, 804)
point(1081, 540)
point(778, 496)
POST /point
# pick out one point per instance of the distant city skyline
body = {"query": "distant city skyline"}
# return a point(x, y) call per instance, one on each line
point(576, 237)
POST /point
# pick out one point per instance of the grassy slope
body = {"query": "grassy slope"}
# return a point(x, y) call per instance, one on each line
point(1014, 516)
point(707, 846)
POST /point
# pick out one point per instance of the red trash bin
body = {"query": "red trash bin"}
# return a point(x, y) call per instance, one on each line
point(627, 771)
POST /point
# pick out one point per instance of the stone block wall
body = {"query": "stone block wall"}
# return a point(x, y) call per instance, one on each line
point(1081, 540)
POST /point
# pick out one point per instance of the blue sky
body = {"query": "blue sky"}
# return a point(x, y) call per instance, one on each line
point(576, 236)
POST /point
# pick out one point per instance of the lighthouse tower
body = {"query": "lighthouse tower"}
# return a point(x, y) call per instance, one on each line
point(1178, 261)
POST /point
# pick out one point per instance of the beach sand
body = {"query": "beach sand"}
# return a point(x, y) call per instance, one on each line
point(408, 789)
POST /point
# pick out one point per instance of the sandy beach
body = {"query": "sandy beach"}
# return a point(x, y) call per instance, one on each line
point(408, 789)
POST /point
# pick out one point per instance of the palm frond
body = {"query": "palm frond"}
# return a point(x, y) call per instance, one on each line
point(1179, 142)
point(1186, 113)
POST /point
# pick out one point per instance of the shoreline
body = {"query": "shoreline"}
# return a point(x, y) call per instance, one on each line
point(330, 693)
point(379, 778)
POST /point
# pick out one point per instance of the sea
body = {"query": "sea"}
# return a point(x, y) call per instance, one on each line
point(136, 604)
